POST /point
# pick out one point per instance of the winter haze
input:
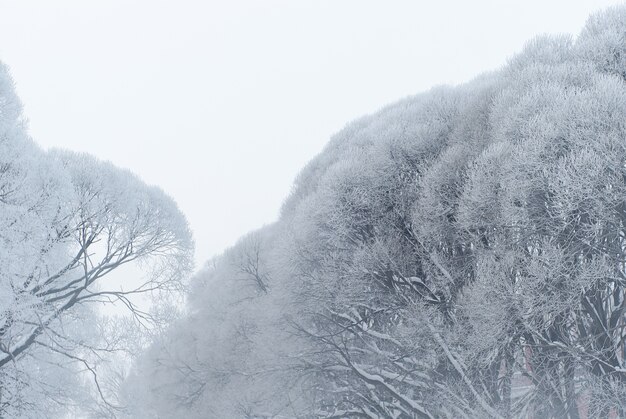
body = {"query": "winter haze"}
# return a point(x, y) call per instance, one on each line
point(312, 209)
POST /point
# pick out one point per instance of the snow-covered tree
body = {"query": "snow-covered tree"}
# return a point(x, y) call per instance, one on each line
point(66, 222)
point(231, 356)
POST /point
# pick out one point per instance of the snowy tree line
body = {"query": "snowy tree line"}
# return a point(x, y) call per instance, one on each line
point(458, 254)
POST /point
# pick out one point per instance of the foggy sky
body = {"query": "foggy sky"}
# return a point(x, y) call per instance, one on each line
point(221, 103)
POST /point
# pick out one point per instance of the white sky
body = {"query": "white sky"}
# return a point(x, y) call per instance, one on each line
point(221, 103)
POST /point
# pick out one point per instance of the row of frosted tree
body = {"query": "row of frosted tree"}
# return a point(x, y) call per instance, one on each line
point(459, 254)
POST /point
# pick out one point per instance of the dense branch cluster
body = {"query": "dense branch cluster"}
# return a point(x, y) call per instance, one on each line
point(461, 253)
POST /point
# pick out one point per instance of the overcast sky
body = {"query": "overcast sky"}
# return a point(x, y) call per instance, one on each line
point(221, 103)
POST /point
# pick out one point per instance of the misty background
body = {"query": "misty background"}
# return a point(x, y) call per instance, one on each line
point(221, 103)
